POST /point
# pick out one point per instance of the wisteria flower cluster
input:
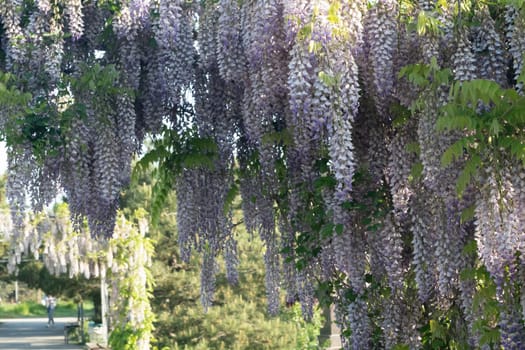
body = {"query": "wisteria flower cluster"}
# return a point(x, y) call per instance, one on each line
point(325, 116)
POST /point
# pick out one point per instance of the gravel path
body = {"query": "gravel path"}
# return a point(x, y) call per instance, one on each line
point(32, 333)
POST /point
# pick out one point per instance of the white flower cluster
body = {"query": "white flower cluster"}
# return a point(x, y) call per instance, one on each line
point(52, 238)
point(128, 263)
point(73, 9)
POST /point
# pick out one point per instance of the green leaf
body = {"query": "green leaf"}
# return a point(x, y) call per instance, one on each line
point(468, 214)
point(350, 295)
point(487, 91)
point(471, 247)
point(161, 188)
point(455, 118)
point(333, 12)
point(401, 347)
point(489, 336)
point(521, 77)
point(437, 330)
point(230, 197)
point(422, 21)
point(467, 275)
point(327, 79)
point(401, 113)
point(495, 127)
point(443, 76)
point(150, 158)
point(454, 152)
point(325, 182)
point(314, 46)
point(417, 74)
point(283, 137)
point(469, 171)
point(305, 31)
point(413, 147)
point(416, 172)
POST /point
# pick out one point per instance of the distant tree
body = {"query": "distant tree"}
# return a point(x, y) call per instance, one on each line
point(37, 276)
point(237, 319)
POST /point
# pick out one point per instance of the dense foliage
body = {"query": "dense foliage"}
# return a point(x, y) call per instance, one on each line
point(378, 146)
point(237, 319)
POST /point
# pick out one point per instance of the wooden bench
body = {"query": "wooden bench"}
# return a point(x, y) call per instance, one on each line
point(67, 328)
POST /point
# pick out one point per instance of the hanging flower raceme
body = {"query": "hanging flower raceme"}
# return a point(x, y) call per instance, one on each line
point(169, 62)
point(15, 47)
point(100, 141)
point(265, 95)
point(491, 57)
point(425, 217)
point(140, 11)
point(129, 275)
point(230, 54)
point(382, 37)
point(73, 9)
point(202, 189)
point(308, 130)
point(338, 161)
point(452, 239)
point(500, 233)
point(341, 148)
point(51, 237)
point(515, 39)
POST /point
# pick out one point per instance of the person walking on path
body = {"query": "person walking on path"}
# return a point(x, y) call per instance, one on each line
point(51, 304)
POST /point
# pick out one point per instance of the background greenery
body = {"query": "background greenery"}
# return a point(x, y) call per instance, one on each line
point(65, 308)
point(238, 319)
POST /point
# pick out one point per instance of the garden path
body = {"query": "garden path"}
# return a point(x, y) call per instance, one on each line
point(32, 333)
